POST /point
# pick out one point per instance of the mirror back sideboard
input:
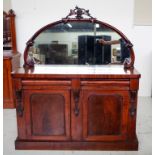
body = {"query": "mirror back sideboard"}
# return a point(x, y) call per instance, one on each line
point(72, 94)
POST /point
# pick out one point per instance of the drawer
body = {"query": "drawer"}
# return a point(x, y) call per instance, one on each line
point(106, 85)
point(45, 84)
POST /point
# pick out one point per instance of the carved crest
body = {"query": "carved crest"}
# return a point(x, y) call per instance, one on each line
point(78, 12)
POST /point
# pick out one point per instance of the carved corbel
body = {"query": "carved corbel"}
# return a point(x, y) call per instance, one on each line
point(19, 106)
point(133, 97)
point(76, 96)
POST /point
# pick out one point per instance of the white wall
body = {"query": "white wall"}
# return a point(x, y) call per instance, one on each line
point(143, 17)
point(7, 5)
point(33, 14)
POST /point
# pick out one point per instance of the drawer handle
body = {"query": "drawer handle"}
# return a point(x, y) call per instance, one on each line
point(76, 96)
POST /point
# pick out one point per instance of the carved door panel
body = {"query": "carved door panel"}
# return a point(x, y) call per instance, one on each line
point(47, 114)
point(105, 115)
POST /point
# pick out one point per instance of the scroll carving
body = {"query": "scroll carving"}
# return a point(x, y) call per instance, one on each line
point(133, 96)
point(20, 107)
point(78, 12)
point(30, 43)
point(76, 96)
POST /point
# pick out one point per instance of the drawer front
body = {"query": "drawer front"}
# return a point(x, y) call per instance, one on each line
point(106, 84)
point(46, 84)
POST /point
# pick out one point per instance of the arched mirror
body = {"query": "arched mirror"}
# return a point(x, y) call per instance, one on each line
point(80, 40)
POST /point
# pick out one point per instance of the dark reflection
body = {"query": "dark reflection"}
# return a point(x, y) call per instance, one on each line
point(78, 43)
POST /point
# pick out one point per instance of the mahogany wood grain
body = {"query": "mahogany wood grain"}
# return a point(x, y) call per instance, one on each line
point(12, 15)
point(11, 57)
point(9, 30)
point(7, 84)
point(75, 145)
point(10, 63)
point(46, 114)
point(77, 111)
point(110, 117)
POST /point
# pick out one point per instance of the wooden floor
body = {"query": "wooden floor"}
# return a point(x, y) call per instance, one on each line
point(144, 132)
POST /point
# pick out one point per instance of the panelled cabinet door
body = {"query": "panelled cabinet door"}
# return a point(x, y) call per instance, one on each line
point(105, 115)
point(47, 114)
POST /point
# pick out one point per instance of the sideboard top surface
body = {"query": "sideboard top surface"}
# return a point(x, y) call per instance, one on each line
point(76, 71)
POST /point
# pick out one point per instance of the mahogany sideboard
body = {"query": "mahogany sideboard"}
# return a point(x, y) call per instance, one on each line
point(76, 107)
point(78, 87)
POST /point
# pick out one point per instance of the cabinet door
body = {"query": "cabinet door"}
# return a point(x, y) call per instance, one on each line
point(47, 114)
point(105, 115)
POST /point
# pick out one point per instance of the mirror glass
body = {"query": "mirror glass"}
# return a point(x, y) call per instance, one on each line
point(78, 43)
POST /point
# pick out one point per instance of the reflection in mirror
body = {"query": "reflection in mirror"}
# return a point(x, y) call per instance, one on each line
point(78, 43)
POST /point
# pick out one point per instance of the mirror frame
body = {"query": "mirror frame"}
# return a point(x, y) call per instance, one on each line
point(78, 13)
